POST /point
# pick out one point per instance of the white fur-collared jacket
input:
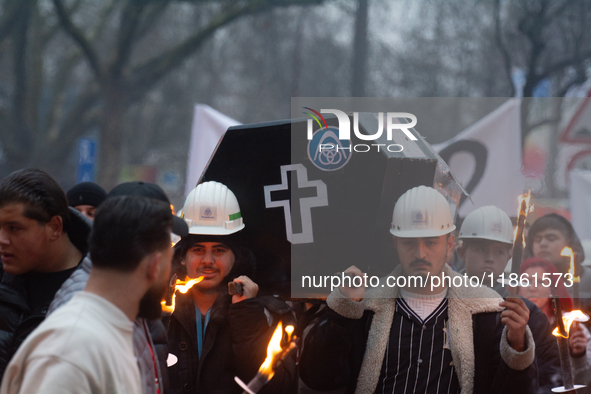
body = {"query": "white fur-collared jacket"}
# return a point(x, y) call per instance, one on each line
point(335, 356)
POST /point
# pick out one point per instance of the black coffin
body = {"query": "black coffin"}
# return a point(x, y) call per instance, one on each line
point(346, 222)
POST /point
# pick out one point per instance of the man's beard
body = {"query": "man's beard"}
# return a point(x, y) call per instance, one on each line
point(150, 306)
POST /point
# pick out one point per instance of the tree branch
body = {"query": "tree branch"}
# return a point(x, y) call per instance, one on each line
point(11, 17)
point(502, 47)
point(79, 38)
point(150, 18)
point(565, 63)
point(129, 21)
point(146, 75)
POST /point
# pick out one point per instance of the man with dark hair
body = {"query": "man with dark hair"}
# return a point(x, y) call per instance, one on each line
point(41, 243)
point(217, 336)
point(420, 338)
point(86, 346)
point(149, 334)
point(546, 239)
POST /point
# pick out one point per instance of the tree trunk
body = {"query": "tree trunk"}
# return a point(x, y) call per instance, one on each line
point(358, 76)
point(111, 137)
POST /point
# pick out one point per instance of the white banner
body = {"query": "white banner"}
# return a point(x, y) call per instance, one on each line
point(486, 159)
point(580, 204)
point(208, 127)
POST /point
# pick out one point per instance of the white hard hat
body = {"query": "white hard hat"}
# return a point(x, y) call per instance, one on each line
point(489, 223)
point(212, 209)
point(422, 212)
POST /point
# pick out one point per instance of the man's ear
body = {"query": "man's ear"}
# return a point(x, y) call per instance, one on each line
point(55, 227)
point(153, 266)
point(462, 252)
point(450, 243)
point(395, 240)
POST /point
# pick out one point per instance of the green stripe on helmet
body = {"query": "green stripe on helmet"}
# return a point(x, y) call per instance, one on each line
point(234, 216)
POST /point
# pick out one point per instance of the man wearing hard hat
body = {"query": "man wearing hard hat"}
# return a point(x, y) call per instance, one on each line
point(217, 336)
point(487, 239)
point(420, 339)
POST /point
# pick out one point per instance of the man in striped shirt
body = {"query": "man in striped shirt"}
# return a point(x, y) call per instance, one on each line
point(421, 339)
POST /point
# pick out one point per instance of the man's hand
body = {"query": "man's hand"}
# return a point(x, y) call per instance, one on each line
point(515, 317)
point(353, 293)
point(249, 289)
point(577, 340)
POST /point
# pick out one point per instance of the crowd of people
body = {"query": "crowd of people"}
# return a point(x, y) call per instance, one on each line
point(84, 276)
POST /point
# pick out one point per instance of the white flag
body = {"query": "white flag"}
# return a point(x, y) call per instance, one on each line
point(486, 159)
point(208, 127)
point(580, 205)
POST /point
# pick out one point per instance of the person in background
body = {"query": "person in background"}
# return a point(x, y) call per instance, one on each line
point(86, 346)
point(487, 240)
point(217, 336)
point(42, 241)
point(579, 338)
point(546, 239)
point(86, 197)
point(586, 243)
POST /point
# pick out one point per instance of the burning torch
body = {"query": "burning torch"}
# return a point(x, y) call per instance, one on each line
point(275, 356)
point(176, 284)
point(576, 279)
point(519, 242)
point(561, 332)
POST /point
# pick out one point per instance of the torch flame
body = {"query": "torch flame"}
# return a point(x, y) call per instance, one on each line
point(569, 252)
point(523, 212)
point(289, 330)
point(568, 318)
point(183, 286)
point(273, 350)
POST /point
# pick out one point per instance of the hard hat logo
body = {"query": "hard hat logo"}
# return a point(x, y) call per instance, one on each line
point(420, 217)
point(208, 213)
point(497, 227)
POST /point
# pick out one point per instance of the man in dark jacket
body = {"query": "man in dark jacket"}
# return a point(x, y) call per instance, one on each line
point(214, 335)
point(399, 338)
point(487, 239)
point(42, 242)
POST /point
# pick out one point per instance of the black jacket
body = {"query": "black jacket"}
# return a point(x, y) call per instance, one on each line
point(235, 344)
point(17, 320)
point(547, 358)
